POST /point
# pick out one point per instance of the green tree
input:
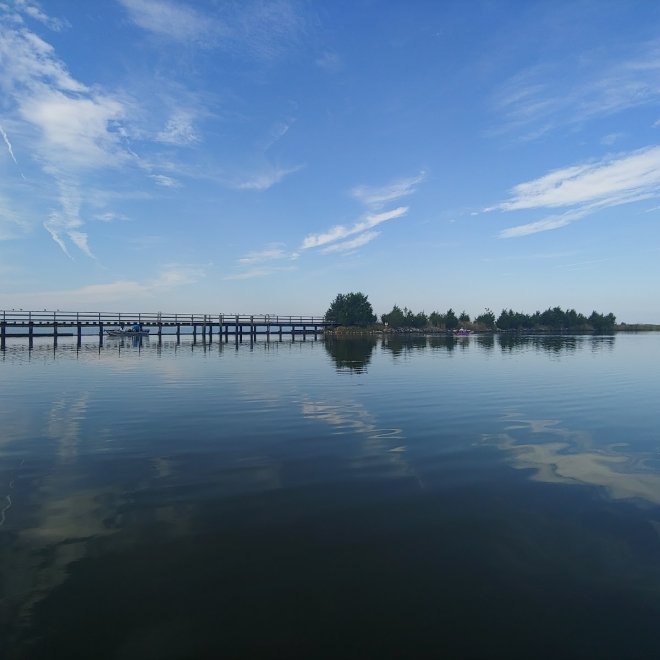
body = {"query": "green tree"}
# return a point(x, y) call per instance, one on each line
point(451, 320)
point(351, 309)
point(420, 320)
point(395, 319)
point(464, 317)
point(436, 319)
point(487, 319)
point(602, 323)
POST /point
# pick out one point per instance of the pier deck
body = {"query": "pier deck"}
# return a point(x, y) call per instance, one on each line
point(31, 324)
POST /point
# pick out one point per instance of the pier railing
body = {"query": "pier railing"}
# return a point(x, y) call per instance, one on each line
point(64, 318)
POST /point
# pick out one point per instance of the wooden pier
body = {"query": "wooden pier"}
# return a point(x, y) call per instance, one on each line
point(33, 324)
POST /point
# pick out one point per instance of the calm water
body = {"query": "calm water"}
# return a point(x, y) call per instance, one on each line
point(480, 497)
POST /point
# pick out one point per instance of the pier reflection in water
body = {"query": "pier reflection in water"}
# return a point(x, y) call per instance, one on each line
point(486, 496)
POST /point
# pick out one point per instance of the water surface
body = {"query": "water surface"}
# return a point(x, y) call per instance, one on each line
point(473, 497)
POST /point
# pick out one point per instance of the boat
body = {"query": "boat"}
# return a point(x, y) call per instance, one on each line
point(136, 330)
point(462, 332)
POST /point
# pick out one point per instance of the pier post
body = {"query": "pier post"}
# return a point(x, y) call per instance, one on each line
point(30, 333)
point(194, 333)
point(79, 332)
point(178, 333)
point(253, 329)
point(204, 330)
point(160, 330)
point(3, 335)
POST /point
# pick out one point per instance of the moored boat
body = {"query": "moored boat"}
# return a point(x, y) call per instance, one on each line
point(136, 330)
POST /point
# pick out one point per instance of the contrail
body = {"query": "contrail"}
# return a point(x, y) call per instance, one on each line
point(11, 151)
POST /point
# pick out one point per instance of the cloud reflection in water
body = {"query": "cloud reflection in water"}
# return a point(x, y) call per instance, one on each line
point(560, 455)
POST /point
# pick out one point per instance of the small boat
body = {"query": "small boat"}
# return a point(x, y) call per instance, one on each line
point(135, 330)
point(462, 332)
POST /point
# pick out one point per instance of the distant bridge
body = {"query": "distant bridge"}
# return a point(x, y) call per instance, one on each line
point(31, 324)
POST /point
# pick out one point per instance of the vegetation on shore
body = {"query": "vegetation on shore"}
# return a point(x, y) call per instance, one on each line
point(353, 310)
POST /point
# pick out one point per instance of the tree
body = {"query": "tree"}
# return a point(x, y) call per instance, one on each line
point(351, 309)
point(395, 319)
point(420, 320)
point(464, 317)
point(451, 321)
point(602, 323)
point(487, 319)
point(436, 319)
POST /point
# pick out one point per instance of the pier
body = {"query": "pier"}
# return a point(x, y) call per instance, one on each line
point(54, 324)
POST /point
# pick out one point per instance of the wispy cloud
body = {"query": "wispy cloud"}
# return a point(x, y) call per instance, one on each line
point(10, 149)
point(339, 231)
point(174, 275)
point(70, 128)
point(267, 178)
point(173, 20)
point(333, 240)
point(348, 246)
point(269, 253)
point(260, 263)
point(179, 129)
point(11, 225)
point(169, 278)
point(377, 197)
point(539, 99)
point(110, 216)
point(259, 272)
point(585, 188)
point(66, 223)
point(251, 28)
point(277, 132)
point(165, 181)
point(34, 11)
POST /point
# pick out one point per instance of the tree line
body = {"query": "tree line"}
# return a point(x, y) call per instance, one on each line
point(354, 309)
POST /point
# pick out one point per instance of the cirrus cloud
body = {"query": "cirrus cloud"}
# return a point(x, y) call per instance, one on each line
point(585, 188)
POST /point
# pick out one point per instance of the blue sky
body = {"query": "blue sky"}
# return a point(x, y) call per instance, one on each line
point(261, 157)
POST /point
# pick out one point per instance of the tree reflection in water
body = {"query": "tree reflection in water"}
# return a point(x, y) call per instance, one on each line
point(351, 354)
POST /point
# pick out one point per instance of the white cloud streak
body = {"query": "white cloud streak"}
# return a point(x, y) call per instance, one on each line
point(165, 181)
point(67, 222)
point(377, 197)
point(333, 240)
point(620, 175)
point(267, 179)
point(348, 246)
point(584, 189)
point(9, 148)
point(339, 232)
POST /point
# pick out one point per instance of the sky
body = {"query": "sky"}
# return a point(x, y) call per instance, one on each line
point(262, 156)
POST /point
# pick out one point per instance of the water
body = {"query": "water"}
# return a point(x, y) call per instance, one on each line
point(479, 497)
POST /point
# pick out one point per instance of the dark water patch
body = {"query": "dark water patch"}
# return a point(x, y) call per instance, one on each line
point(311, 500)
